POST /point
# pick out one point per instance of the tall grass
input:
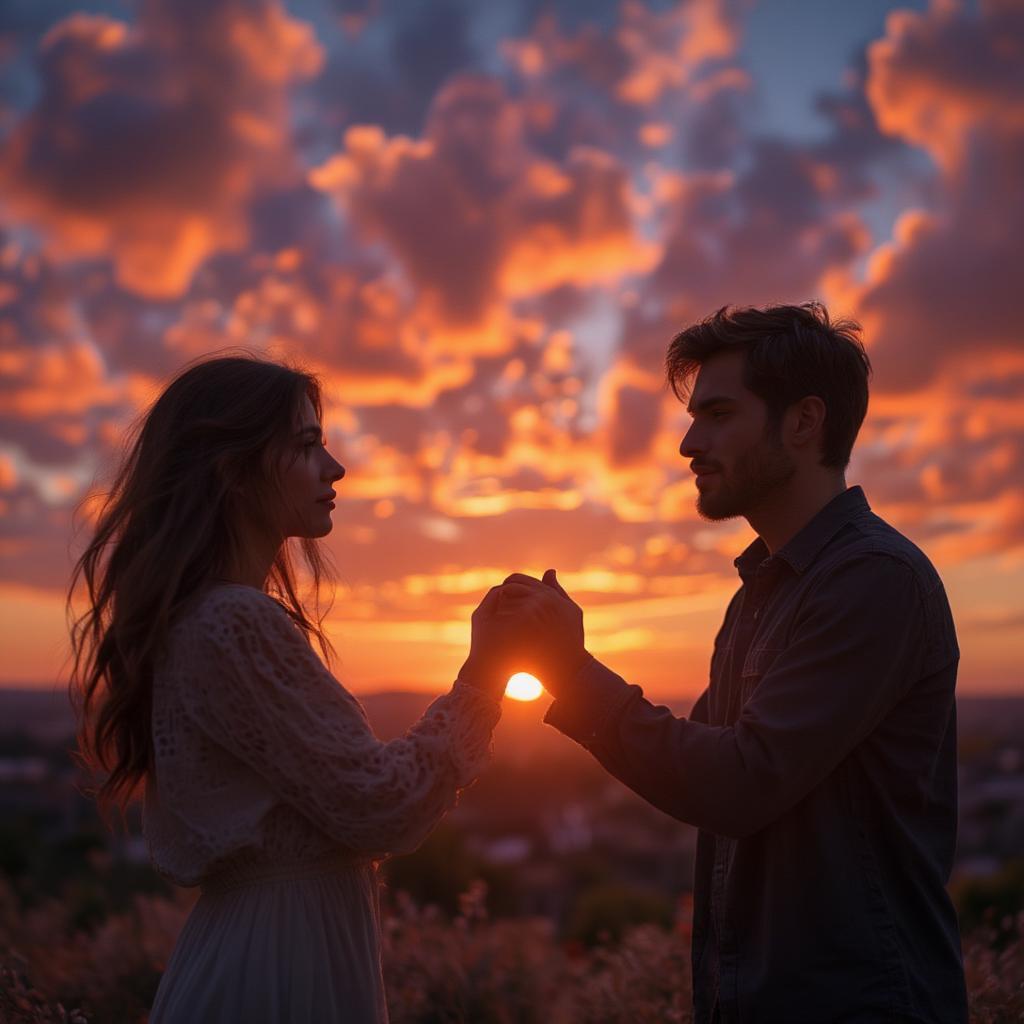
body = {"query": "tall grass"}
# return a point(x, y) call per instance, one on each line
point(472, 968)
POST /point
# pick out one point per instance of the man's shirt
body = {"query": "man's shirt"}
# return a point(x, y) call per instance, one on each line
point(819, 766)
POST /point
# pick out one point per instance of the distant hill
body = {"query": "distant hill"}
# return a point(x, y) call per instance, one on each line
point(46, 715)
point(42, 713)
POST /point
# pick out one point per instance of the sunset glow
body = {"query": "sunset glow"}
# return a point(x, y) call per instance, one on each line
point(523, 686)
point(484, 255)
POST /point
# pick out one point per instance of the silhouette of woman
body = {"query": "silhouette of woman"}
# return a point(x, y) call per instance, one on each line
point(196, 689)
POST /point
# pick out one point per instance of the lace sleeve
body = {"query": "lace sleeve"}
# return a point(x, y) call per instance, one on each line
point(271, 702)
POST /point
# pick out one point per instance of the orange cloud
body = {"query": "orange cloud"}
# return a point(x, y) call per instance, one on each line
point(490, 298)
point(667, 48)
point(620, 87)
point(945, 463)
point(57, 402)
point(942, 77)
point(947, 80)
point(67, 379)
point(150, 140)
point(475, 219)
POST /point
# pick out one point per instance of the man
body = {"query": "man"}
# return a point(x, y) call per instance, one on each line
point(819, 765)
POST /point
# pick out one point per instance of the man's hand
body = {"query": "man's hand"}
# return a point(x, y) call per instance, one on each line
point(552, 628)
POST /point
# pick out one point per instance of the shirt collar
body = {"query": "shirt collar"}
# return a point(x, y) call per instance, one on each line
point(806, 544)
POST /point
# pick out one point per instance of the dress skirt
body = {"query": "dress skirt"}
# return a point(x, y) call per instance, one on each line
point(279, 944)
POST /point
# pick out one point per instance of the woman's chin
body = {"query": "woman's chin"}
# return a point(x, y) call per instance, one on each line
point(313, 532)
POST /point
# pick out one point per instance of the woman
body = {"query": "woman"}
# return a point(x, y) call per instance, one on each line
point(263, 782)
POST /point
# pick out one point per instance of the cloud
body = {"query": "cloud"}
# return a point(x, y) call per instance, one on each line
point(484, 249)
point(475, 219)
point(950, 80)
point(386, 66)
point(647, 80)
point(635, 421)
point(765, 235)
point(149, 140)
point(942, 452)
point(946, 77)
point(55, 404)
point(34, 536)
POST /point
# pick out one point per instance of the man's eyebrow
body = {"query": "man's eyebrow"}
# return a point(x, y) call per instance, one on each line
point(706, 403)
point(315, 429)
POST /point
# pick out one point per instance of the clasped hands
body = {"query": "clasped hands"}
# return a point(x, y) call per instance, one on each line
point(526, 625)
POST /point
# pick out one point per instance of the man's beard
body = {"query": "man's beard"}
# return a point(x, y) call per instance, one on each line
point(755, 475)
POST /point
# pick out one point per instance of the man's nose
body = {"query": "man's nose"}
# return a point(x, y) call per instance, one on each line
point(339, 473)
point(690, 446)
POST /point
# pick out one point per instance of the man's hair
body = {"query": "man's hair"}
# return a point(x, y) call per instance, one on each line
point(790, 352)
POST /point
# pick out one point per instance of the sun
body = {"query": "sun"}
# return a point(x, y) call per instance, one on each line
point(523, 686)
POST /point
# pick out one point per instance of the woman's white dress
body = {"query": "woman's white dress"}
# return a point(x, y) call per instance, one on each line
point(272, 794)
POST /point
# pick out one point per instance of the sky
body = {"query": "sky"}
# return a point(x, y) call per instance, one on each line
point(481, 224)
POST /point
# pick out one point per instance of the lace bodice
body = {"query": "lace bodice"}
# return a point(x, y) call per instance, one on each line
point(261, 754)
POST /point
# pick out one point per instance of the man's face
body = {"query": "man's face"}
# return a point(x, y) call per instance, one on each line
point(737, 460)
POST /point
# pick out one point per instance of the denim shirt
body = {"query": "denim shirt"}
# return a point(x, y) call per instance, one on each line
point(820, 768)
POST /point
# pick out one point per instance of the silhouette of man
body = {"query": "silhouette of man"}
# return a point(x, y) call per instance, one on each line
point(819, 764)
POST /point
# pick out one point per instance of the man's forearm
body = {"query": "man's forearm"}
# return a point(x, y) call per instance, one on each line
point(668, 761)
point(813, 705)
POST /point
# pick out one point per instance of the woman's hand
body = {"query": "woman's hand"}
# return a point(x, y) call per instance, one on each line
point(496, 638)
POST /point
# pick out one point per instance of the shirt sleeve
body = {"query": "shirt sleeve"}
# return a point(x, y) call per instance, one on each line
point(271, 702)
point(856, 649)
point(699, 711)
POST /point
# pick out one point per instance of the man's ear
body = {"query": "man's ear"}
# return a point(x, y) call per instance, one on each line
point(806, 421)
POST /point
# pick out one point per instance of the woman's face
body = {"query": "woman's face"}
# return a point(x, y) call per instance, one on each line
point(307, 473)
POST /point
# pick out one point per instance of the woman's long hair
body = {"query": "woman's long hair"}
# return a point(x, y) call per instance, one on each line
point(206, 454)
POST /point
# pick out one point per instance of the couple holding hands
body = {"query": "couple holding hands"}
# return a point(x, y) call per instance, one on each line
point(819, 763)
